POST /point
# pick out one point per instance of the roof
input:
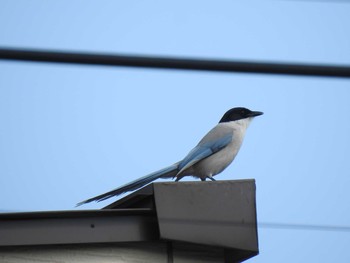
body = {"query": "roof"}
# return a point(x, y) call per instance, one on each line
point(220, 214)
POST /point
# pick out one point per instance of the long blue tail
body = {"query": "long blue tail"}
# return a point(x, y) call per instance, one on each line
point(168, 172)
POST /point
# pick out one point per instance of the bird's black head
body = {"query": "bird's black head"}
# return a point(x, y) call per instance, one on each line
point(239, 113)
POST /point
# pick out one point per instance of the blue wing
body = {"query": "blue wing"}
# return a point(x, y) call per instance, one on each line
point(204, 150)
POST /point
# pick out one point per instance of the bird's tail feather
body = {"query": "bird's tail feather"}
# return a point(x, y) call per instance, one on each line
point(168, 172)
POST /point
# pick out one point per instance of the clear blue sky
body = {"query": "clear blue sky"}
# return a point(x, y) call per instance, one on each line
point(70, 132)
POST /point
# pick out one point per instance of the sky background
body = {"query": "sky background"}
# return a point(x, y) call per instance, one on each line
point(70, 132)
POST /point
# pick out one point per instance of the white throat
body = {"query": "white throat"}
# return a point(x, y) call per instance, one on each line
point(244, 123)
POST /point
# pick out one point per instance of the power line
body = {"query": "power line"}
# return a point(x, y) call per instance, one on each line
point(36, 55)
point(323, 1)
point(333, 228)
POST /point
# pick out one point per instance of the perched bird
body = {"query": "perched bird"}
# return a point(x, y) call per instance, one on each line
point(211, 156)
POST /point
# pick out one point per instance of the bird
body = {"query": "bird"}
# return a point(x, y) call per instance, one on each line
point(214, 152)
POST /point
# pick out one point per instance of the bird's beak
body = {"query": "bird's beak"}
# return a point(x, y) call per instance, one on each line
point(255, 113)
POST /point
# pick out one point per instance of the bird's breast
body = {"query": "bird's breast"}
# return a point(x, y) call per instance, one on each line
point(217, 162)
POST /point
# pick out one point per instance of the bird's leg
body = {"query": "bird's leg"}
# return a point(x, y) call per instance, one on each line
point(211, 178)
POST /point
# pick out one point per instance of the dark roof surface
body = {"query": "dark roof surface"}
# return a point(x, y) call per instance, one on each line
point(219, 214)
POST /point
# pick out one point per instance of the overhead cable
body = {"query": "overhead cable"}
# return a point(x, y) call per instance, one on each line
point(36, 55)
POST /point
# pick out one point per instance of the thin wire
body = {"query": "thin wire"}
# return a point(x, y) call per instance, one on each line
point(174, 63)
point(321, 1)
point(333, 228)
